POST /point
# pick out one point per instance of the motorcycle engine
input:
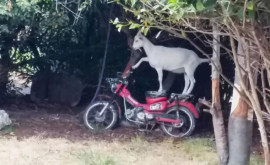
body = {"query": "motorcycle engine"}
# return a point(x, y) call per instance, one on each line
point(132, 113)
point(144, 116)
point(137, 114)
point(141, 116)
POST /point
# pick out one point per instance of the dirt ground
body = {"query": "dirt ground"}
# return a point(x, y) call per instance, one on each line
point(51, 121)
point(57, 121)
point(52, 134)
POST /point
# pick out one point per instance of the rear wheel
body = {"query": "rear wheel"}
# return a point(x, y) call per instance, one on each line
point(186, 126)
point(94, 121)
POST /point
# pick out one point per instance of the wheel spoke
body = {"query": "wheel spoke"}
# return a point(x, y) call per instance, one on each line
point(94, 121)
point(179, 130)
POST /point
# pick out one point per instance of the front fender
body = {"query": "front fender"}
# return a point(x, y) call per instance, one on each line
point(107, 97)
point(188, 105)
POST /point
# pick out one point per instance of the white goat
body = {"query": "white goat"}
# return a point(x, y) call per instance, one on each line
point(176, 60)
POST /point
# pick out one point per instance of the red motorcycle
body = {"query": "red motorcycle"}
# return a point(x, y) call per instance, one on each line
point(175, 116)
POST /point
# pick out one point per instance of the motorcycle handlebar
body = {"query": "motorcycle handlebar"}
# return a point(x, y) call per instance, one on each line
point(117, 80)
point(120, 78)
point(127, 74)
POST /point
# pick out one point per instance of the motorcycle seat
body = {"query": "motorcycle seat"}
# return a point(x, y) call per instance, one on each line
point(155, 94)
point(180, 96)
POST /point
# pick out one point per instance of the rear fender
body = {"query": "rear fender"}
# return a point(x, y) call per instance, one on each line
point(187, 105)
point(106, 98)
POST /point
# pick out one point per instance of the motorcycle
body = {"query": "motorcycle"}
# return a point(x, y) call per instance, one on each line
point(175, 115)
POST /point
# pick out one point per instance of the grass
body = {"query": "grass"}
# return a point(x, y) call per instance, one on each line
point(8, 130)
point(255, 160)
point(38, 151)
point(90, 158)
point(203, 149)
point(200, 149)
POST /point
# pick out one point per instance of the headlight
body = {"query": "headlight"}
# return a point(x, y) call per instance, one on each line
point(113, 87)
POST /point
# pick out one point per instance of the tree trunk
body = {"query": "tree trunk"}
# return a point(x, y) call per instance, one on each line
point(240, 134)
point(218, 121)
point(240, 121)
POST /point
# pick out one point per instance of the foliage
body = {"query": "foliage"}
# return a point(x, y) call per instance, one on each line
point(22, 23)
point(59, 36)
point(244, 22)
point(175, 14)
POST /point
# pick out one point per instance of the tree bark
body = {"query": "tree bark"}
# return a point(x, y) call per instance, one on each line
point(263, 137)
point(240, 134)
point(217, 116)
point(240, 121)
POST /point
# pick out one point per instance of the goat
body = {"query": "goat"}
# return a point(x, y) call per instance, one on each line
point(176, 60)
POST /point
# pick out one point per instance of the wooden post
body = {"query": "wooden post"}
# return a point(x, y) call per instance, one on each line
point(218, 121)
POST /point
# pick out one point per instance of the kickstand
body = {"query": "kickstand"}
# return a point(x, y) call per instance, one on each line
point(146, 129)
point(149, 130)
point(152, 127)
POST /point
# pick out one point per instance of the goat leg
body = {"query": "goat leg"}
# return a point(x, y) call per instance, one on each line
point(192, 83)
point(160, 77)
point(187, 83)
point(144, 59)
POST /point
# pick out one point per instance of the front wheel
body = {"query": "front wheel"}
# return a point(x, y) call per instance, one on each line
point(96, 121)
point(186, 126)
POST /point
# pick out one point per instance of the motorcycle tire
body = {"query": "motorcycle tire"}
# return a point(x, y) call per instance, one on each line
point(99, 122)
point(187, 120)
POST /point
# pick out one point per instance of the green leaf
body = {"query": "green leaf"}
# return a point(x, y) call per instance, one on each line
point(251, 14)
point(184, 34)
point(156, 6)
point(4, 29)
point(146, 31)
point(172, 1)
point(116, 21)
point(191, 9)
point(135, 12)
point(143, 10)
point(250, 5)
point(167, 7)
point(240, 13)
point(119, 27)
point(142, 29)
point(180, 14)
point(209, 4)
point(134, 26)
point(231, 9)
point(133, 2)
point(200, 6)
point(224, 20)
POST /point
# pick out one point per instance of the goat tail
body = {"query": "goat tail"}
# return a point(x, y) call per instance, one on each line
point(203, 60)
